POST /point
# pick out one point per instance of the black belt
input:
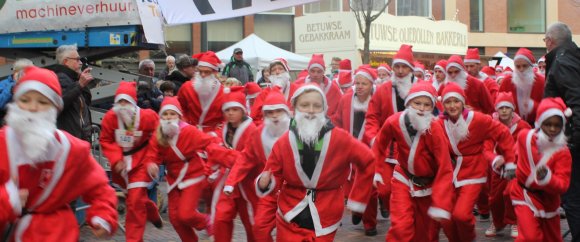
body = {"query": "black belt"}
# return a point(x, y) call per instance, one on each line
point(529, 189)
point(420, 181)
point(136, 149)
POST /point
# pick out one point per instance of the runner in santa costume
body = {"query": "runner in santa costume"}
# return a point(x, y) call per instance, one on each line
point(478, 97)
point(280, 79)
point(311, 165)
point(126, 130)
point(345, 82)
point(238, 128)
point(175, 144)
point(43, 169)
point(419, 70)
point(252, 91)
point(500, 204)
point(440, 74)
point(384, 73)
point(253, 160)
point(473, 66)
point(542, 65)
point(201, 98)
point(350, 116)
point(466, 132)
point(421, 182)
point(344, 66)
point(526, 86)
point(316, 69)
point(543, 173)
point(490, 72)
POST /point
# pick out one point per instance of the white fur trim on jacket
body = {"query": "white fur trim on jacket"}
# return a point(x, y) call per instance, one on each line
point(269, 189)
point(228, 188)
point(356, 206)
point(378, 178)
point(13, 197)
point(495, 160)
point(435, 212)
point(96, 220)
point(546, 179)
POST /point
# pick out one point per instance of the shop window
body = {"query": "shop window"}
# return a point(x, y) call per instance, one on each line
point(414, 8)
point(527, 16)
point(276, 29)
point(377, 5)
point(178, 39)
point(323, 6)
point(476, 15)
point(223, 33)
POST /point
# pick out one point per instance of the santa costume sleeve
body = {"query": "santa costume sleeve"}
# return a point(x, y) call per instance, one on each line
point(362, 159)
point(247, 161)
point(153, 155)
point(337, 116)
point(274, 165)
point(372, 117)
point(10, 205)
point(504, 141)
point(111, 150)
point(379, 148)
point(443, 183)
point(557, 179)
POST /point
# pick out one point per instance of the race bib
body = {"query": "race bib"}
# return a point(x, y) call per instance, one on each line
point(126, 139)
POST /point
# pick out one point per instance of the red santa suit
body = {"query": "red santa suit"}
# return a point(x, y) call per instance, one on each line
point(66, 171)
point(120, 143)
point(249, 166)
point(472, 56)
point(470, 166)
point(526, 96)
point(185, 172)
point(283, 86)
point(535, 200)
point(423, 158)
point(318, 196)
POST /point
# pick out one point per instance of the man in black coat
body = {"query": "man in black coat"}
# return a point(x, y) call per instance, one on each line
point(563, 80)
point(186, 67)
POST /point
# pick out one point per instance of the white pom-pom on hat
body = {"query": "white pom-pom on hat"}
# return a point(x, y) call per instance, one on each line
point(439, 98)
point(568, 112)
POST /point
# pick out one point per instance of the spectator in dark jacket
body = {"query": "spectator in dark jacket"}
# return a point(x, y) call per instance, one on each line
point(7, 85)
point(238, 68)
point(264, 80)
point(186, 67)
point(169, 67)
point(148, 95)
point(562, 80)
point(75, 117)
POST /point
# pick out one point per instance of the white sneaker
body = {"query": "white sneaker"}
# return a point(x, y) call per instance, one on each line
point(491, 231)
point(514, 231)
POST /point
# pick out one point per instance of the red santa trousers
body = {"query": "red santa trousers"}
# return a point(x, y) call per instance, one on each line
point(265, 218)
point(409, 218)
point(183, 213)
point(461, 227)
point(227, 209)
point(139, 207)
point(532, 229)
point(290, 232)
point(483, 206)
point(501, 207)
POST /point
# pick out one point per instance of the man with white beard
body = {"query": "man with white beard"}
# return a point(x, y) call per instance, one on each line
point(422, 181)
point(310, 163)
point(466, 132)
point(201, 97)
point(543, 173)
point(280, 79)
point(473, 66)
point(526, 86)
point(478, 97)
point(253, 160)
point(440, 74)
point(43, 169)
point(126, 130)
point(384, 74)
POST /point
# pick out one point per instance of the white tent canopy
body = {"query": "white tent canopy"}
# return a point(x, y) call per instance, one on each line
point(505, 61)
point(259, 53)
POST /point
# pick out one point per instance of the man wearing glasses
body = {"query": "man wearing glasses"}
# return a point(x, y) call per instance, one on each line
point(238, 68)
point(75, 117)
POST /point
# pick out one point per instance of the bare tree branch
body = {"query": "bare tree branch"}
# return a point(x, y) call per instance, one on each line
point(374, 17)
point(357, 16)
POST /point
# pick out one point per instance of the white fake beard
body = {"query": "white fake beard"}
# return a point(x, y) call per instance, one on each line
point(309, 126)
point(277, 129)
point(460, 79)
point(169, 128)
point(524, 82)
point(403, 85)
point(421, 123)
point(359, 106)
point(281, 80)
point(125, 112)
point(459, 130)
point(545, 146)
point(205, 87)
point(35, 131)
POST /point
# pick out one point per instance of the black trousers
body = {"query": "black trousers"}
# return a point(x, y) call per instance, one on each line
point(571, 199)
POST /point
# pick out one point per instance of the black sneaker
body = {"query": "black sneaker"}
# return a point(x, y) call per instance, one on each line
point(356, 218)
point(371, 232)
point(484, 217)
point(475, 212)
point(385, 213)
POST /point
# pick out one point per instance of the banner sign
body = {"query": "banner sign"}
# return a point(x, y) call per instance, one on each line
point(194, 11)
point(41, 15)
point(152, 21)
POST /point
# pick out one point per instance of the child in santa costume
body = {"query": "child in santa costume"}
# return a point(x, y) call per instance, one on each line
point(175, 144)
point(237, 131)
point(421, 182)
point(253, 160)
point(500, 204)
point(43, 169)
point(311, 162)
point(126, 130)
point(543, 173)
point(466, 132)
point(280, 79)
point(350, 116)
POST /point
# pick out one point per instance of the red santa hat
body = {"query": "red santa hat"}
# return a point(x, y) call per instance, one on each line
point(455, 61)
point(499, 68)
point(525, 54)
point(210, 59)
point(275, 101)
point(472, 56)
point(421, 89)
point(552, 106)
point(309, 87)
point(508, 70)
point(234, 97)
point(542, 59)
point(252, 90)
point(404, 56)
point(504, 99)
point(453, 89)
point(281, 61)
point(127, 91)
point(317, 60)
point(345, 65)
point(43, 81)
point(170, 103)
point(441, 65)
point(488, 71)
point(419, 67)
point(369, 73)
point(345, 79)
point(384, 66)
